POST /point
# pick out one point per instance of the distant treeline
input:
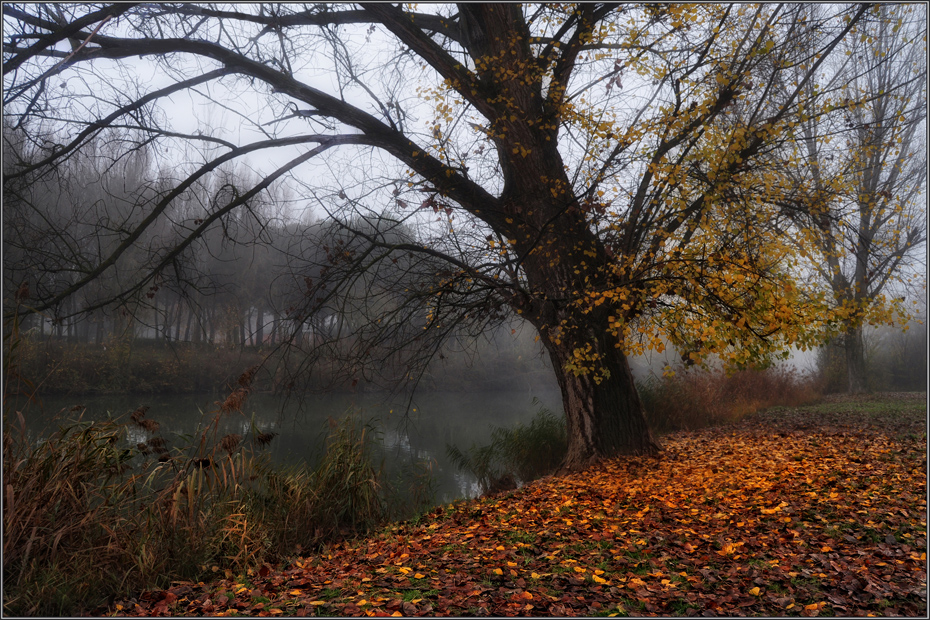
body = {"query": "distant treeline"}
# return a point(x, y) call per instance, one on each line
point(896, 361)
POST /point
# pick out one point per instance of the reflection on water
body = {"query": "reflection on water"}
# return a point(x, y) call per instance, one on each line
point(410, 437)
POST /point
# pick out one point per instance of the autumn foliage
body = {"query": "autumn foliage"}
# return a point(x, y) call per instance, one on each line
point(813, 511)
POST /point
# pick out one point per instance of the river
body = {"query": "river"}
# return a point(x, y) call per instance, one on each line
point(419, 433)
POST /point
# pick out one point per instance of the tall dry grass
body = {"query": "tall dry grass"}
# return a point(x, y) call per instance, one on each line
point(694, 398)
point(89, 516)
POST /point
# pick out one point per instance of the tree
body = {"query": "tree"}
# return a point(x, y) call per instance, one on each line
point(583, 161)
point(58, 222)
point(858, 174)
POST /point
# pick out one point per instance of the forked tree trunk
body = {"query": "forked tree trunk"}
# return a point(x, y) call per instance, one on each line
point(855, 360)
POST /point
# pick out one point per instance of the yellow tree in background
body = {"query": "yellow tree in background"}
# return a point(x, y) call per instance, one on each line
point(856, 186)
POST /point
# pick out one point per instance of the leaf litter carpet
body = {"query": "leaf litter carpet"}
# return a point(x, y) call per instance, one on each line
point(813, 511)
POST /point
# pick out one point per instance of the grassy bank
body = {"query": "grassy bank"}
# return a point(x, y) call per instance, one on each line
point(817, 510)
point(91, 512)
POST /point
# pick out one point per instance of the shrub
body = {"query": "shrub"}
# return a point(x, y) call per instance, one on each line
point(516, 455)
point(694, 398)
point(349, 496)
point(61, 518)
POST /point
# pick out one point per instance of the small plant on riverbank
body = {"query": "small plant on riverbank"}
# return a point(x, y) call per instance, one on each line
point(692, 399)
point(515, 455)
point(349, 495)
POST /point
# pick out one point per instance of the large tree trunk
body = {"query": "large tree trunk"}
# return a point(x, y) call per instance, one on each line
point(855, 360)
point(562, 259)
point(603, 413)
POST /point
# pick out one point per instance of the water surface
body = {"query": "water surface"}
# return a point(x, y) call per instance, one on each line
point(413, 434)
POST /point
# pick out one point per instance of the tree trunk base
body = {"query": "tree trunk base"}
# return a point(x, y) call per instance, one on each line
point(604, 418)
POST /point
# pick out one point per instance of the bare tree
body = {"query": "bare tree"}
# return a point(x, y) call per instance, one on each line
point(59, 223)
point(858, 174)
point(582, 162)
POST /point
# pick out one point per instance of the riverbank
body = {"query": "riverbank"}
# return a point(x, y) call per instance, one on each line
point(127, 366)
point(815, 510)
point(146, 367)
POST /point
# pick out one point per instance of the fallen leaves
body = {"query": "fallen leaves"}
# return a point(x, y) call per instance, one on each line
point(839, 531)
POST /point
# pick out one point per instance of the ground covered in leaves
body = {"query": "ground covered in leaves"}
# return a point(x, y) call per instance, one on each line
point(813, 511)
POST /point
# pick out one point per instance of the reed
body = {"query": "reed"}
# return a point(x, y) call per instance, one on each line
point(516, 455)
point(88, 516)
point(350, 498)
